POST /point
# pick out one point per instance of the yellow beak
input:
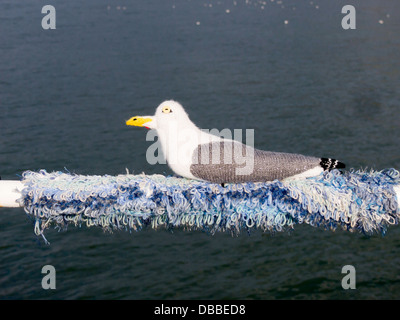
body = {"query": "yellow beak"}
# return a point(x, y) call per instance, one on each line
point(138, 121)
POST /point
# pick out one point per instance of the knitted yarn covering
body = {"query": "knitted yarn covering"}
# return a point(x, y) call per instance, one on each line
point(353, 200)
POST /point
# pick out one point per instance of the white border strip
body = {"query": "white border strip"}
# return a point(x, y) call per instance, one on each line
point(397, 190)
point(10, 192)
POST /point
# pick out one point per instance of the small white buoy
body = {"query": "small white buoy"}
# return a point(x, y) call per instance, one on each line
point(197, 23)
point(286, 21)
point(381, 21)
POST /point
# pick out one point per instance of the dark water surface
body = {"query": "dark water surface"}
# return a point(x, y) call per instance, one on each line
point(304, 86)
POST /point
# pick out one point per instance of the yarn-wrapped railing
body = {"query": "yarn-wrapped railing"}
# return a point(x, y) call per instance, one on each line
point(362, 201)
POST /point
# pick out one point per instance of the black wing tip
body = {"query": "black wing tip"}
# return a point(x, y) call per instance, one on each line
point(329, 164)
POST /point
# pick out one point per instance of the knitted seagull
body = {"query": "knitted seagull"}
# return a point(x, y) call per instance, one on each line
point(196, 154)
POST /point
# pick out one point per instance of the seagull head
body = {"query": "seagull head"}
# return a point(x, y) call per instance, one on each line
point(167, 113)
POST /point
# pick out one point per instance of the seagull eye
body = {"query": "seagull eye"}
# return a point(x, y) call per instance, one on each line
point(166, 110)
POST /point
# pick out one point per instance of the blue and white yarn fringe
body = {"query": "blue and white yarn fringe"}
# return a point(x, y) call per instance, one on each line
point(354, 200)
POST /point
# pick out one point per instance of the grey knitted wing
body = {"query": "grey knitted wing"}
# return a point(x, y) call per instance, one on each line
point(234, 162)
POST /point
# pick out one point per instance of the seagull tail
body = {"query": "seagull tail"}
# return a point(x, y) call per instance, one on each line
point(329, 164)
